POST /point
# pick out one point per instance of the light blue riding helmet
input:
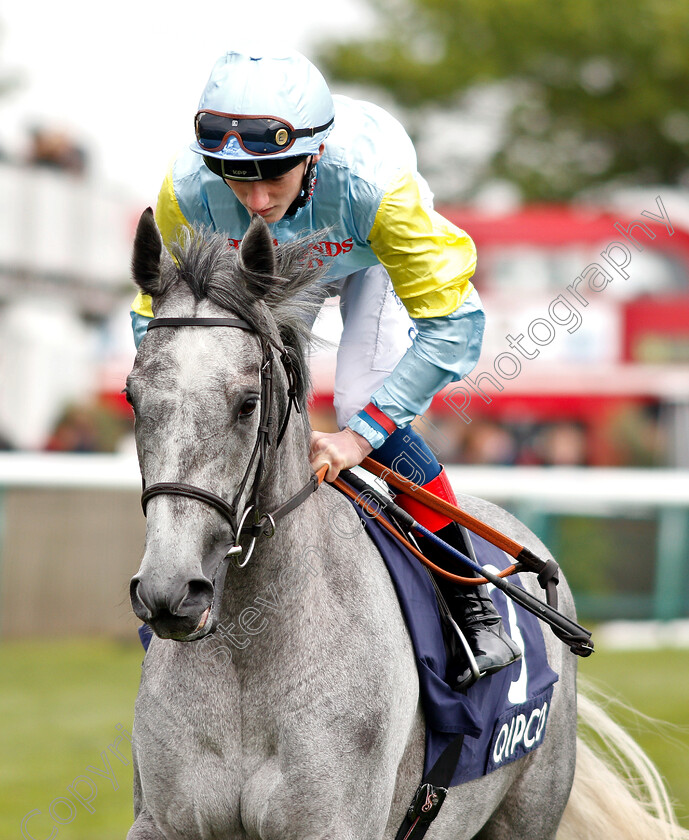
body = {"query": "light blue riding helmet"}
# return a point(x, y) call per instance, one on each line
point(258, 109)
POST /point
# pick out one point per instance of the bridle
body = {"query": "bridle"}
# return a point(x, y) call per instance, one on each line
point(577, 637)
point(261, 524)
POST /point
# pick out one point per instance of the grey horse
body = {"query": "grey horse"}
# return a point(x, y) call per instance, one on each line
point(279, 697)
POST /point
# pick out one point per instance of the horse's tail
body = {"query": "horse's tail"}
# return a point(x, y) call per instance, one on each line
point(618, 794)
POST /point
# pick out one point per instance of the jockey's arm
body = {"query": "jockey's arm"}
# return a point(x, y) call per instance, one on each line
point(430, 263)
point(444, 349)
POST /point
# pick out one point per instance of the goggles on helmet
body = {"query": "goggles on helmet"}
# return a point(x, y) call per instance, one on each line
point(256, 135)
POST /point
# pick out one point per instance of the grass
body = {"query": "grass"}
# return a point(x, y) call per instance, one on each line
point(656, 683)
point(61, 703)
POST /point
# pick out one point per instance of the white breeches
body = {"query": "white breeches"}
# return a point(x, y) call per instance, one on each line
point(376, 333)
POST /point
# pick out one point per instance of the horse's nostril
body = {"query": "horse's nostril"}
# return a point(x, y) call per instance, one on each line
point(189, 596)
point(137, 596)
point(199, 592)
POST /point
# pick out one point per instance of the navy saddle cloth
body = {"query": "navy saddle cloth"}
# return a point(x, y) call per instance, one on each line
point(503, 717)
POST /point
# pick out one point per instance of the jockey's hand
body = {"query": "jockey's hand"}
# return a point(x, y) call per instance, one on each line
point(339, 450)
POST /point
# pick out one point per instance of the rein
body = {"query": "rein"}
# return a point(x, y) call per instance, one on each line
point(578, 638)
point(520, 553)
point(359, 497)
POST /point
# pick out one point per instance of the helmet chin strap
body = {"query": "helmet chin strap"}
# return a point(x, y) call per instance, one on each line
point(307, 185)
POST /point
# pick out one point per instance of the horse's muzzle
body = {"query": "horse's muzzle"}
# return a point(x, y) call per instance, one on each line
point(174, 611)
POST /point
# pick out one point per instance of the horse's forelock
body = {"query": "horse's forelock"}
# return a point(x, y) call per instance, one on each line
point(274, 304)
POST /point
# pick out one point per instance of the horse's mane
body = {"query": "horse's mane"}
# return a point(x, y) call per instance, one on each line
point(281, 298)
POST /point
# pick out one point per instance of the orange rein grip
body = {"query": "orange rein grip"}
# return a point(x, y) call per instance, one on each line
point(466, 581)
point(445, 508)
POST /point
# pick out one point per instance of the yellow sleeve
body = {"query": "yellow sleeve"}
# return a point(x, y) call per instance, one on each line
point(142, 305)
point(429, 260)
point(169, 217)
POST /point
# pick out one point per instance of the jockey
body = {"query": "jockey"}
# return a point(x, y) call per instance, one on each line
point(272, 140)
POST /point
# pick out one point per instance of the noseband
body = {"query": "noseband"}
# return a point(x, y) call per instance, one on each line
point(261, 524)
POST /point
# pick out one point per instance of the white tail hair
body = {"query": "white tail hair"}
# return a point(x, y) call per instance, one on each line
point(618, 794)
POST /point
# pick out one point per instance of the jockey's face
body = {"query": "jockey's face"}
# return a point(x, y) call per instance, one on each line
point(273, 197)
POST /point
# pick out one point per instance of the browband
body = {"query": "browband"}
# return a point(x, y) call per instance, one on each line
point(200, 322)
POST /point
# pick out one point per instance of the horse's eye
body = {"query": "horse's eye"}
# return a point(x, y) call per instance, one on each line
point(248, 407)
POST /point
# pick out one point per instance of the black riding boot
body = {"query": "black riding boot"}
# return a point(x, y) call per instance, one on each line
point(473, 610)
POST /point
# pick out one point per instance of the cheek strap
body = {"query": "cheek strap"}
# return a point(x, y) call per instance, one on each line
point(307, 187)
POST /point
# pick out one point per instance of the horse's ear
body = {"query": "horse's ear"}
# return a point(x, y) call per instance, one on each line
point(147, 255)
point(257, 257)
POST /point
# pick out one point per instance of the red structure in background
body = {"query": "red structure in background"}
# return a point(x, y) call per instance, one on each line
point(548, 225)
point(657, 329)
point(614, 407)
